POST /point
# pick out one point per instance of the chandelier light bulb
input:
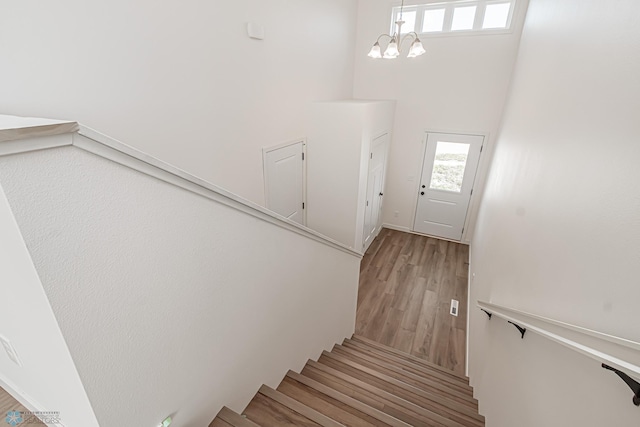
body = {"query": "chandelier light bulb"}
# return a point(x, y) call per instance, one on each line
point(375, 51)
point(416, 49)
point(392, 50)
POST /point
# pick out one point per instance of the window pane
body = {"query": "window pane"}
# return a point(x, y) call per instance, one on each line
point(463, 18)
point(433, 20)
point(496, 15)
point(409, 19)
point(449, 165)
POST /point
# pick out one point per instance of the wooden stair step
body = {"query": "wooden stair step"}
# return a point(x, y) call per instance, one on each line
point(435, 375)
point(433, 402)
point(217, 422)
point(421, 362)
point(227, 417)
point(408, 377)
point(298, 407)
point(367, 393)
point(324, 404)
point(347, 400)
point(409, 360)
point(270, 413)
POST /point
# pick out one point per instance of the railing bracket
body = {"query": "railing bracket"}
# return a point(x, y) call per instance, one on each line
point(487, 313)
point(520, 328)
point(633, 384)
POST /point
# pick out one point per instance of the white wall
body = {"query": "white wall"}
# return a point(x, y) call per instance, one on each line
point(459, 85)
point(47, 379)
point(172, 303)
point(559, 228)
point(338, 147)
point(180, 80)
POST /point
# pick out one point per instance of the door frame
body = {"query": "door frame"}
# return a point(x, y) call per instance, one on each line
point(265, 178)
point(474, 193)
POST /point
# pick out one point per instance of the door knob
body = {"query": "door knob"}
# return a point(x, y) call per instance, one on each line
point(382, 194)
point(422, 193)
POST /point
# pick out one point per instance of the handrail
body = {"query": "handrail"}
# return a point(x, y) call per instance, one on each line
point(619, 353)
point(633, 384)
point(101, 145)
point(614, 353)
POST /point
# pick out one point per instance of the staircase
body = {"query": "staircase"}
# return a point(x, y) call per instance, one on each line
point(362, 383)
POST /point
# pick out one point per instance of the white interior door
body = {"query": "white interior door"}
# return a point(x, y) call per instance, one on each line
point(284, 181)
point(448, 173)
point(375, 188)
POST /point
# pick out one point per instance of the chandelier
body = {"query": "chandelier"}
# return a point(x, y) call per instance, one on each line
point(395, 44)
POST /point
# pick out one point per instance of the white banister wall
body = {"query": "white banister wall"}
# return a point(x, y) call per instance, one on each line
point(558, 234)
point(47, 379)
point(174, 297)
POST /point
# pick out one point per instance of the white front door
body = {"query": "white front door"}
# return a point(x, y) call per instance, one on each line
point(448, 173)
point(375, 188)
point(284, 180)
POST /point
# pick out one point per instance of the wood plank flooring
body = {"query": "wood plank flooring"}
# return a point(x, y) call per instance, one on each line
point(406, 286)
point(8, 403)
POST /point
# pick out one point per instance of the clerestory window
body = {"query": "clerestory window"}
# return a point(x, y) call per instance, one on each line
point(463, 16)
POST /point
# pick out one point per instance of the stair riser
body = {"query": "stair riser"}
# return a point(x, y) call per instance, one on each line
point(410, 358)
point(434, 375)
point(330, 407)
point(411, 413)
point(407, 377)
point(415, 376)
point(430, 405)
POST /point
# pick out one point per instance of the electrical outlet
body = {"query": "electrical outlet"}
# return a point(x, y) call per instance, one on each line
point(454, 308)
point(11, 352)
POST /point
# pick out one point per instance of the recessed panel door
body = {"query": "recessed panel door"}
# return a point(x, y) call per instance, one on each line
point(375, 188)
point(448, 174)
point(284, 181)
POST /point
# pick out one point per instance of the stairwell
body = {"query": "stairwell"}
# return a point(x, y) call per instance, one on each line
point(362, 383)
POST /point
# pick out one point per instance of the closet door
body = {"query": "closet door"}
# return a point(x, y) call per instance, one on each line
point(284, 180)
point(375, 189)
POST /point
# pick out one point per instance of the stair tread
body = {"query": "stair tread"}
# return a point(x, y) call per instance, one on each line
point(217, 422)
point(409, 409)
point(408, 356)
point(321, 402)
point(234, 419)
point(270, 413)
point(299, 407)
point(347, 399)
point(433, 402)
point(434, 374)
point(397, 371)
point(362, 383)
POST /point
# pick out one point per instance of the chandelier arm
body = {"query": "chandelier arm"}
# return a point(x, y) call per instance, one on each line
point(383, 35)
point(411, 34)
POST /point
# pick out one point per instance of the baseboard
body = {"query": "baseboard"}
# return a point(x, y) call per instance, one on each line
point(408, 230)
point(397, 228)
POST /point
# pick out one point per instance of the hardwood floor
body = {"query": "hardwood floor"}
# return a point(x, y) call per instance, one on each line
point(406, 286)
point(8, 403)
